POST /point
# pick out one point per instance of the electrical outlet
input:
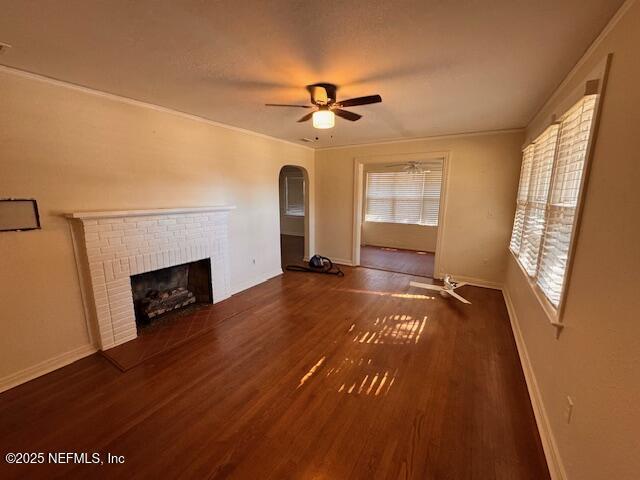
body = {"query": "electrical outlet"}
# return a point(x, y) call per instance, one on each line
point(568, 411)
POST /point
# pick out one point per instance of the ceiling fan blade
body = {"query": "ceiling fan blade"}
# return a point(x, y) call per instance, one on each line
point(426, 286)
point(395, 165)
point(286, 105)
point(459, 297)
point(306, 117)
point(347, 115)
point(352, 102)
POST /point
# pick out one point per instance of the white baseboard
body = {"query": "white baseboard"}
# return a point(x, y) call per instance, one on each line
point(252, 282)
point(342, 261)
point(45, 367)
point(476, 282)
point(554, 461)
point(410, 248)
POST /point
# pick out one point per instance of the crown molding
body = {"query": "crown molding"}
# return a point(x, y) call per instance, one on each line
point(626, 6)
point(432, 138)
point(139, 103)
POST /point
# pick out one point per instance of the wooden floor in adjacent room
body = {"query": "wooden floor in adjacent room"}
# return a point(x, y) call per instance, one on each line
point(323, 377)
point(398, 260)
point(291, 250)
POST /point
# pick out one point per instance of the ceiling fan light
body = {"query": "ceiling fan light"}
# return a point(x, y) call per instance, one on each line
point(324, 119)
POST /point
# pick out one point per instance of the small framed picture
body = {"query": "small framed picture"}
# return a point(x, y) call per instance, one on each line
point(18, 214)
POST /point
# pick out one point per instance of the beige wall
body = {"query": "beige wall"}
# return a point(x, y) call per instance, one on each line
point(481, 185)
point(399, 235)
point(73, 150)
point(596, 359)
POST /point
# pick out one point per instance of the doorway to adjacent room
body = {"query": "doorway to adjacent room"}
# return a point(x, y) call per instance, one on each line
point(399, 213)
point(294, 206)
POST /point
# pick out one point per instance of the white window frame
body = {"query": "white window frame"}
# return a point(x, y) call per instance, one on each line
point(555, 314)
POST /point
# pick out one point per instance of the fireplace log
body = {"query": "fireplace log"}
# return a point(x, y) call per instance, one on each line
point(156, 303)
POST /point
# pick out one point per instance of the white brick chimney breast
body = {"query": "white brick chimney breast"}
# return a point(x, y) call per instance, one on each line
point(119, 244)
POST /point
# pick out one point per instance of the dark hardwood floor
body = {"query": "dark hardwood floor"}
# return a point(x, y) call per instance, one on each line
point(397, 260)
point(322, 377)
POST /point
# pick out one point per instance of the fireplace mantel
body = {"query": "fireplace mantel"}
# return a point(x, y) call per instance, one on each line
point(142, 213)
point(117, 244)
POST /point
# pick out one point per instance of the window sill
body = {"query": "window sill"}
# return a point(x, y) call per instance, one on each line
point(550, 311)
point(294, 215)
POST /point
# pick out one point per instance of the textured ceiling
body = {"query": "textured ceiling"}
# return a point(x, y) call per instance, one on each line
point(441, 66)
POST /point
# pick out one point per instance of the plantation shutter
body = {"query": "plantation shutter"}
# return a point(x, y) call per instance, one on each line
point(573, 142)
point(523, 194)
point(537, 195)
point(404, 197)
point(551, 180)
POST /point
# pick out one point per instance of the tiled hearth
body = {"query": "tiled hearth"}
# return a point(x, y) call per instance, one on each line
point(119, 244)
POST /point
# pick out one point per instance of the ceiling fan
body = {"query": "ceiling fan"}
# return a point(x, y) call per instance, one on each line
point(447, 289)
point(323, 100)
point(412, 166)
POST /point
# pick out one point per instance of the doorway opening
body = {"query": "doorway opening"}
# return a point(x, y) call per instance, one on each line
point(399, 213)
point(294, 215)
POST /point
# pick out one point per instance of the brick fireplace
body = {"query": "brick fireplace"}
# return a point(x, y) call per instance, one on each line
point(117, 245)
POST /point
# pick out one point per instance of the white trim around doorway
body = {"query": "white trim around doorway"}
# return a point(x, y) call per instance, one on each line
point(358, 190)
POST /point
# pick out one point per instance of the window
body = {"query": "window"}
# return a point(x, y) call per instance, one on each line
point(404, 197)
point(294, 195)
point(550, 186)
point(537, 191)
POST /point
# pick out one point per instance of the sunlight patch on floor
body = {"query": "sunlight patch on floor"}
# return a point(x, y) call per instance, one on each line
point(391, 329)
point(359, 376)
point(410, 296)
point(311, 371)
point(363, 378)
point(374, 384)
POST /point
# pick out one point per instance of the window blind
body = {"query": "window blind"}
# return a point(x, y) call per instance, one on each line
point(537, 193)
point(403, 197)
point(548, 194)
point(573, 142)
point(523, 195)
point(294, 195)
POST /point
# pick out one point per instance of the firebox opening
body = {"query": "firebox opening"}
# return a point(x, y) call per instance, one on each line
point(162, 291)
